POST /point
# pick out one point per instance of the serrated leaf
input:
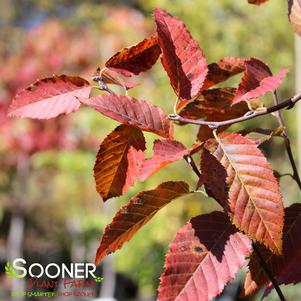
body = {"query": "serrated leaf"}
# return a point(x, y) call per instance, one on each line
point(254, 200)
point(257, 81)
point(112, 174)
point(214, 178)
point(137, 58)
point(222, 70)
point(128, 110)
point(111, 77)
point(259, 136)
point(135, 158)
point(50, 97)
point(204, 256)
point(214, 105)
point(294, 14)
point(136, 213)
point(286, 268)
point(165, 152)
point(182, 58)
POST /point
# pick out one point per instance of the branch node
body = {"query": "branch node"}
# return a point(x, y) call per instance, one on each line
point(250, 113)
point(213, 126)
point(174, 117)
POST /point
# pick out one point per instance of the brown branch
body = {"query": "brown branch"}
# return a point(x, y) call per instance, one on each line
point(268, 272)
point(278, 116)
point(287, 104)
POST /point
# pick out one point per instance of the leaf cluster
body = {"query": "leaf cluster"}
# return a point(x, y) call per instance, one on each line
point(210, 249)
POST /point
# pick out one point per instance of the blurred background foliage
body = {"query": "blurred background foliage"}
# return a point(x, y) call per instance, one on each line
point(64, 216)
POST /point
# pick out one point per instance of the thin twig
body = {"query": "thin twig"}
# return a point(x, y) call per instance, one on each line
point(277, 113)
point(268, 272)
point(279, 118)
point(192, 164)
point(286, 175)
point(291, 158)
point(288, 104)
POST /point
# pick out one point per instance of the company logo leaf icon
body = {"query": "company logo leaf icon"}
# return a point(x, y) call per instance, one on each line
point(10, 272)
point(98, 279)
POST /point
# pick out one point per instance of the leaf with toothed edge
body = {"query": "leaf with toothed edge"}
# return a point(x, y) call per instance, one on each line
point(254, 200)
point(260, 136)
point(214, 104)
point(112, 170)
point(137, 58)
point(257, 81)
point(165, 152)
point(204, 256)
point(135, 214)
point(128, 110)
point(111, 77)
point(222, 70)
point(182, 58)
point(214, 178)
point(50, 97)
point(286, 268)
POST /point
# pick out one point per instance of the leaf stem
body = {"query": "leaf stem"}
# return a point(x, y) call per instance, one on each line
point(279, 118)
point(192, 164)
point(287, 104)
point(268, 272)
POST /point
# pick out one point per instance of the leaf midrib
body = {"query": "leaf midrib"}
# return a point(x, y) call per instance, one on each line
point(242, 183)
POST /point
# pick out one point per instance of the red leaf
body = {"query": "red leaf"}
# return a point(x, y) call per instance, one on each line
point(112, 171)
point(135, 214)
point(214, 105)
point(137, 58)
point(182, 57)
point(111, 77)
point(135, 158)
point(165, 152)
point(214, 178)
point(131, 111)
point(204, 256)
point(255, 203)
point(50, 97)
point(286, 268)
point(257, 81)
point(294, 9)
point(222, 70)
point(257, 2)
point(259, 136)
